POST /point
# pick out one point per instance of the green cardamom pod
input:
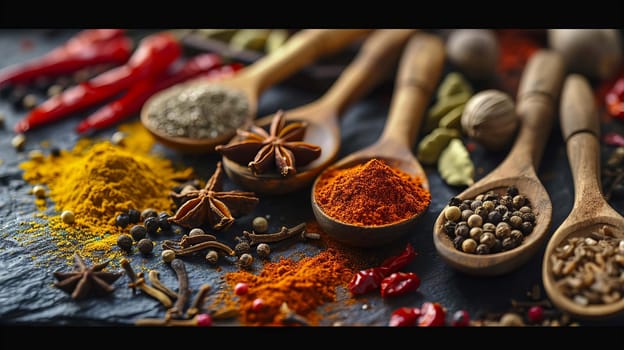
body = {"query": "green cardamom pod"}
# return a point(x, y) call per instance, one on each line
point(452, 84)
point(430, 147)
point(452, 119)
point(455, 165)
point(442, 107)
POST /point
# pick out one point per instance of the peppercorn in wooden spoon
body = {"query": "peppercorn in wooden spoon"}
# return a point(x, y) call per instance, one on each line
point(196, 116)
point(584, 260)
point(538, 92)
point(420, 69)
point(317, 123)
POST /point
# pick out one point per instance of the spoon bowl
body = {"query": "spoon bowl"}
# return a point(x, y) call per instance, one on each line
point(419, 71)
point(590, 212)
point(539, 89)
point(372, 64)
point(301, 49)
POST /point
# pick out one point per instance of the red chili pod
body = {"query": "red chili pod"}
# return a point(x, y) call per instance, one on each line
point(399, 283)
point(404, 317)
point(395, 263)
point(366, 280)
point(432, 315)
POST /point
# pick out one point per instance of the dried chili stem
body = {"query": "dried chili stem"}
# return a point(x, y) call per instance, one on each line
point(282, 234)
point(156, 283)
point(183, 288)
point(137, 281)
point(199, 300)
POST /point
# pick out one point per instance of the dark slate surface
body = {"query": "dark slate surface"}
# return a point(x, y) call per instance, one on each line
point(28, 298)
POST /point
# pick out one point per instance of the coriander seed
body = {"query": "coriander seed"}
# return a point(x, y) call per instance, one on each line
point(18, 142)
point(212, 257)
point(167, 255)
point(263, 250)
point(67, 216)
point(196, 232)
point(39, 191)
point(260, 224)
point(145, 246)
point(124, 242)
point(452, 213)
point(245, 260)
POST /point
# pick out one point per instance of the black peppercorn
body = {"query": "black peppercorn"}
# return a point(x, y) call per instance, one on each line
point(518, 201)
point(528, 217)
point(482, 212)
point(148, 213)
point(138, 232)
point(497, 247)
point(122, 220)
point(501, 209)
point(454, 202)
point(145, 246)
point(242, 248)
point(134, 216)
point(475, 204)
point(124, 242)
point(457, 242)
point(526, 227)
point(462, 229)
point(515, 221)
point(163, 222)
point(151, 224)
point(494, 217)
point(489, 205)
point(509, 243)
point(490, 196)
point(466, 214)
point(517, 235)
point(449, 228)
point(512, 191)
point(483, 249)
point(55, 151)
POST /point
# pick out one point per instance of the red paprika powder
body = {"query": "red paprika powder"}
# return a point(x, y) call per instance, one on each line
point(371, 194)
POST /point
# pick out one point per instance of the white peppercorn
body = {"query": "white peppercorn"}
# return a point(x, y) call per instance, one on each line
point(263, 250)
point(260, 224)
point(39, 191)
point(469, 245)
point(212, 257)
point(452, 213)
point(67, 216)
point(168, 255)
point(475, 220)
point(475, 233)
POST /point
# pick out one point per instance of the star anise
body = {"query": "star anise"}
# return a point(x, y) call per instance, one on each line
point(282, 147)
point(85, 281)
point(210, 204)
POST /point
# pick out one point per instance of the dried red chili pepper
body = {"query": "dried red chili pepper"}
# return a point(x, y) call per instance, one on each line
point(153, 56)
point(399, 283)
point(87, 48)
point(131, 103)
point(615, 99)
point(404, 317)
point(432, 315)
point(395, 263)
point(367, 280)
point(613, 139)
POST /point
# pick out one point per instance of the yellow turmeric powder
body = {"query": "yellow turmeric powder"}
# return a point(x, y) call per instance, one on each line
point(97, 181)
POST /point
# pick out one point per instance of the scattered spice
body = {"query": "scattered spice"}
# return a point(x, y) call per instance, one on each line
point(85, 281)
point(372, 278)
point(370, 194)
point(283, 234)
point(304, 285)
point(198, 111)
point(212, 205)
point(97, 181)
point(281, 148)
point(516, 47)
point(590, 270)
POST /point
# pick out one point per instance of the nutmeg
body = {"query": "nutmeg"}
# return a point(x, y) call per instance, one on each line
point(474, 51)
point(490, 119)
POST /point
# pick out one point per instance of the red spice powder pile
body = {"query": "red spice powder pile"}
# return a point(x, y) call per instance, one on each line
point(303, 285)
point(371, 194)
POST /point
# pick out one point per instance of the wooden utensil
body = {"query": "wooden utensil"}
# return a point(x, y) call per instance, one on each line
point(538, 92)
point(377, 56)
point(581, 130)
point(420, 69)
point(300, 50)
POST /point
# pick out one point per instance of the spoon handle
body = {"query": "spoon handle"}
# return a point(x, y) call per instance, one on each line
point(420, 69)
point(301, 49)
point(538, 92)
point(378, 55)
point(580, 128)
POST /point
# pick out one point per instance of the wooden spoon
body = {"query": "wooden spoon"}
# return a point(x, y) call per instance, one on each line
point(581, 130)
point(376, 58)
point(300, 50)
point(419, 71)
point(538, 92)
